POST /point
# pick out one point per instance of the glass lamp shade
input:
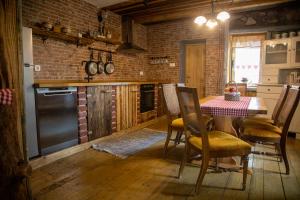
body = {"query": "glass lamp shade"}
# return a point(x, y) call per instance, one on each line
point(223, 16)
point(211, 23)
point(200, 20)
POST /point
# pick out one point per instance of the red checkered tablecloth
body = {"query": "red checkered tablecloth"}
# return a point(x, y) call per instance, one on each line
point(220, 107)
point(6, 96)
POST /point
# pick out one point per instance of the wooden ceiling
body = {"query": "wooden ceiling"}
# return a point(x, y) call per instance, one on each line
point(155, 11)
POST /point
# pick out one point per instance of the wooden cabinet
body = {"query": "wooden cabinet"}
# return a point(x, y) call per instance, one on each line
point(277, 52)
point(295, 55)
point(282, 53)
point(127, 106)
point(99, 111)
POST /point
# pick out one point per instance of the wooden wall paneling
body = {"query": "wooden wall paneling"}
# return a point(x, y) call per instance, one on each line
point(99, 111)
point(126, 106)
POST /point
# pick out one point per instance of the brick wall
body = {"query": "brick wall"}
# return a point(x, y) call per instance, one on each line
point(82, 115)
point(63, 61)
point(164, 40)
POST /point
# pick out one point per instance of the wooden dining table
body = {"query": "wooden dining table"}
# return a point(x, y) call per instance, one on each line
point(231, 123)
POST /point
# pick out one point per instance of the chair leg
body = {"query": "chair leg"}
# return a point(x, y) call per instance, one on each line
point(278, 149)
point(177, 138)
point(186, 155)
point(245, 170)
point(204, 166)
point(168, 139)
point(180, 133)
point(284, 156)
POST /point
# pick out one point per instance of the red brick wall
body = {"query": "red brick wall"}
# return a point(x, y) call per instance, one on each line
point(82, 115)
point(114, 109)
point(62, 61)
point(164, 40)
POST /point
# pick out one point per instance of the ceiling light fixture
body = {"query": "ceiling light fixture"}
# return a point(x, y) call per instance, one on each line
point(212, 22)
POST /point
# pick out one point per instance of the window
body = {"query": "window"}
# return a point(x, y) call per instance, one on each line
point(245, 58)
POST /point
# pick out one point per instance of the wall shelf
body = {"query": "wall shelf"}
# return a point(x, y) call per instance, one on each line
point(44, 34)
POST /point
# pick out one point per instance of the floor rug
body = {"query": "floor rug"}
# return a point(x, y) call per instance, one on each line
point(130, 143)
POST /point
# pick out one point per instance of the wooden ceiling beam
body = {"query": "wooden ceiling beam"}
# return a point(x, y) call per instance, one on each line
point(157, 16)
point(138, 4)
point(166, 7)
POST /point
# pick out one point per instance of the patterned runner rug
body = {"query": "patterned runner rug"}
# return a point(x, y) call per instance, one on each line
point(130, 143)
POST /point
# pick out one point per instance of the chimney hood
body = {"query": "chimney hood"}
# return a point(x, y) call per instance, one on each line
point(134, 37)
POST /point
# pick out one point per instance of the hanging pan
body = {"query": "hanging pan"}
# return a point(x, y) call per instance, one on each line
point(109, 67)
point(91, 67)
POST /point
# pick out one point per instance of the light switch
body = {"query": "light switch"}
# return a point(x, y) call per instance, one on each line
point(172, 64)
point(37, 68)
point(141, 73)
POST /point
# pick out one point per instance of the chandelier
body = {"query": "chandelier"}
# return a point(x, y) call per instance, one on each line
point(213, 21)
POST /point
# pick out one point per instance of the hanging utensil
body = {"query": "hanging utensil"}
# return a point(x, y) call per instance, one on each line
point(91, 66)
point(100, 64)
point(109, 67)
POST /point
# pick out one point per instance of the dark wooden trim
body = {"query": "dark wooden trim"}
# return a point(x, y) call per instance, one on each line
point(182, 45)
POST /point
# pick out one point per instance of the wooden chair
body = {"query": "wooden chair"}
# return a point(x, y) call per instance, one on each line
point(175, 123)
point(210, 144)
point(261, 121)
point(275, 134)
point(242, 87)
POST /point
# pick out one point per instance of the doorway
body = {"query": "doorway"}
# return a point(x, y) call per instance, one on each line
point(193, 65)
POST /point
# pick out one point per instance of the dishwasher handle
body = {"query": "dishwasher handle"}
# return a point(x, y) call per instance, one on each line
point(50, 94)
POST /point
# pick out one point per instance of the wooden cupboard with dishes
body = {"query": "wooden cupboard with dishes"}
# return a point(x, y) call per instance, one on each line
point(283, 53)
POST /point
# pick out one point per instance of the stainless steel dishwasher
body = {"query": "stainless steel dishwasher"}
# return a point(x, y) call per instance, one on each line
point(56, 118)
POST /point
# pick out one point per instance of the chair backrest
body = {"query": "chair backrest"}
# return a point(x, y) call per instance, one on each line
point(288, 109)
point(280, 102)
point(190, 110)
point(242, 87)
point(170, 99)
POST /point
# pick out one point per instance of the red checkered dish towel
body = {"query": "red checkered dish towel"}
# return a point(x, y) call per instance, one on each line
point(6, 96)
point(220, 107)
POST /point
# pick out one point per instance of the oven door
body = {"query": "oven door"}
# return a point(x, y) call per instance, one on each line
point(147, 100)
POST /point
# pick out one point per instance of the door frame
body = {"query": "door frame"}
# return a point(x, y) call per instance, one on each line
point(182, 45)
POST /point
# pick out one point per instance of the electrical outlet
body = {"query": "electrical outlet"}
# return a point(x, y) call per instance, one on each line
point(37, 68)
point(172, 64)
point(141, 73)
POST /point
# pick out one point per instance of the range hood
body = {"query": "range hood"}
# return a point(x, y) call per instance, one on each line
point(134, 37)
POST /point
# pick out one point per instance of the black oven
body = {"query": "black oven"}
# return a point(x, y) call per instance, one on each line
point(147, 97)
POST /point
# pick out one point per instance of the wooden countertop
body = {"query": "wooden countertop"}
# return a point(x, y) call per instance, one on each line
point(92, 83)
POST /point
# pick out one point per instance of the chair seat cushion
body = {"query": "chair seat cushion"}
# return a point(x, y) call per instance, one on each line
point(262, 134)
point(258, 119)
point(220, 142)
point(260, 125)
point(177, 123)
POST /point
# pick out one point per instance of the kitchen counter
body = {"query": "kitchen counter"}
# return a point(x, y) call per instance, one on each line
point(92, 83)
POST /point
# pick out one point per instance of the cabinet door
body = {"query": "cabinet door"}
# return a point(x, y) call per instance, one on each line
point(99, 111)
point(295, 55)
point(127, 104)
point(277, 52)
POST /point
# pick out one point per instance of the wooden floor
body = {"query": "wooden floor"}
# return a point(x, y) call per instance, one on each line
point(147, 175)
